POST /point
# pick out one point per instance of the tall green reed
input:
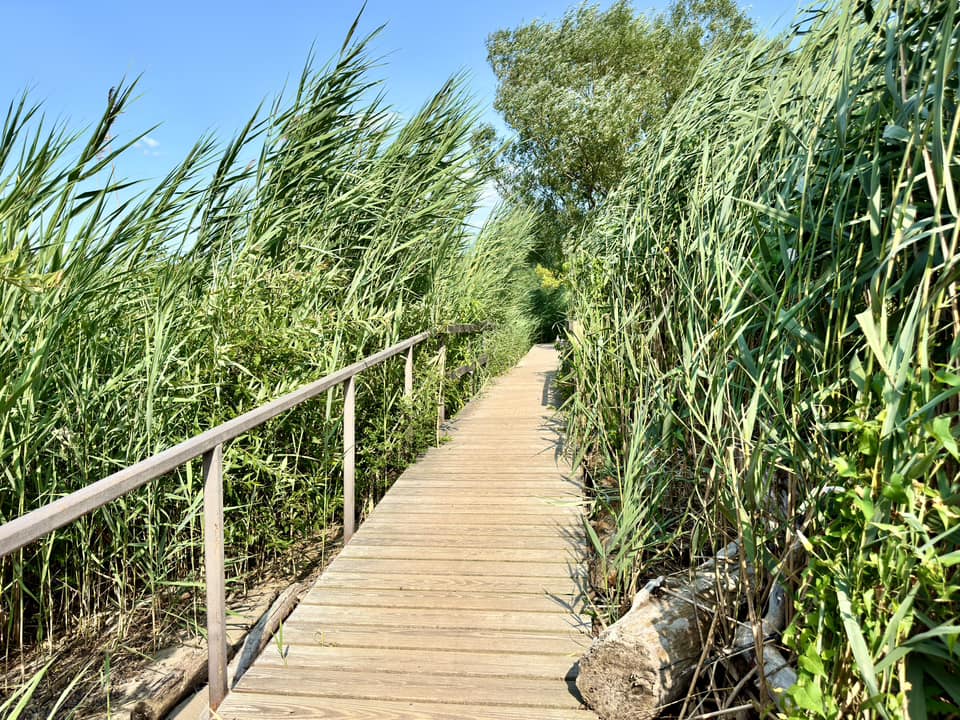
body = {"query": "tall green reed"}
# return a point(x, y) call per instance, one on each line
point(767, 349)
point(134, 317)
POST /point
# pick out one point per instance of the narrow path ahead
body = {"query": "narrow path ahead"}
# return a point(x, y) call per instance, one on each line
point(460, 596)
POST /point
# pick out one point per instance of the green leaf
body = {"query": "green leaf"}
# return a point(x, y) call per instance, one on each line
point(874, 341)
point(811, 662)
point(917, 698)
point(940, 429)
point(896, 133)
point(806, 694)
point(858, 644)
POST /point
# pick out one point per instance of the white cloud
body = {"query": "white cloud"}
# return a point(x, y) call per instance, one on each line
point(148, 146)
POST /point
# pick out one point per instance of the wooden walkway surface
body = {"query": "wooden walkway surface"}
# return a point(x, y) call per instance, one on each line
point(460, 596)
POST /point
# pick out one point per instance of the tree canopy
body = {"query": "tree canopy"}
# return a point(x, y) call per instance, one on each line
point(581, 93)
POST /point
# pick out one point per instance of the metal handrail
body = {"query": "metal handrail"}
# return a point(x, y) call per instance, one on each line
point(25, 529)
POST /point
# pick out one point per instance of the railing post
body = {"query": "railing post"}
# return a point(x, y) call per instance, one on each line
point(408, 375)
point(213, 561)
point(349, 458)
point(441, 407)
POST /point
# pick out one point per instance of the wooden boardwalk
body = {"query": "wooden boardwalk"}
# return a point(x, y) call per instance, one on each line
point(460, 596)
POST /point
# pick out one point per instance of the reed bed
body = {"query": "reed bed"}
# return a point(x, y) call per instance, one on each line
point(135, 316)
point(766, 351)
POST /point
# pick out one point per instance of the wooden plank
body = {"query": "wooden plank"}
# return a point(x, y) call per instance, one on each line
point(486, 504)
point(489, 480)
point(409, 687)
point(349, 459)
point(440, 619)
point(516, 462)
point(502, 529)
point(451, 599)
point(491, 486)
point(469, 491)
point(555, 511)
point(354, 578)
point(459, 568)
point(422, 661)
point(569, 533)
point(570, 645)
point(426, 516)
point(264, 706)
point(451, 539)
point(399, 551)
point(498, 504)
point(490, 499)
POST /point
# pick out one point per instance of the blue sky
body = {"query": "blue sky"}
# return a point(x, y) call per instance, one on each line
point(205, 65)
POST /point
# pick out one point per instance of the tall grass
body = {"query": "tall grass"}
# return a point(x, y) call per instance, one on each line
point(135, 316)
point(767, 351)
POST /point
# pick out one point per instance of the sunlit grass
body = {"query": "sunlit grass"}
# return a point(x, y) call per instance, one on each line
point(135, 317)
point(768, 349)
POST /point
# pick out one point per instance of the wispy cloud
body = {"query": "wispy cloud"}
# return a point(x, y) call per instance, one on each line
point(148, 146)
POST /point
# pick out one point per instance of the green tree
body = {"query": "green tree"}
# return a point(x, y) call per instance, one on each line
point(583, 92)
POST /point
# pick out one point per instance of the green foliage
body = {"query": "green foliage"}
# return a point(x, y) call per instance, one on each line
point(583, 92)
point(766, 349)
point(321, 233)
point(549, 301)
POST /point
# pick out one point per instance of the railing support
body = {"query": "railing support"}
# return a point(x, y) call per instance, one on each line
point(441, 407)
point(216, 583)
point(349, 459)
point(22, 531)
point(408, 375)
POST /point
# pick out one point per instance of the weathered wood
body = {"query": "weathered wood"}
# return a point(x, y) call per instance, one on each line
point(505, 520)
point(399, 551)
point(467, 369)
point(450, 539)
point(449, 599)
point(168, 690)
point(443, 618)
point(477, 583)
point(569, 644)
point(408, 375)
point(471, 528)
point(425, 661)
point(27, 528)
point(463, 568)
point(465, 329)
point(261, 634)
point(644, 661)
point(441, 406)
point(292, 707)
point(778, 675)
point(174, 673)
point(409, 687)
point(213, 567)
point(462, 593)
point(481, 495)
point(349, 459)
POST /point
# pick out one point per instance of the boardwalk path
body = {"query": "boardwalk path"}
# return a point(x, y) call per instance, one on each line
point(458, 597)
